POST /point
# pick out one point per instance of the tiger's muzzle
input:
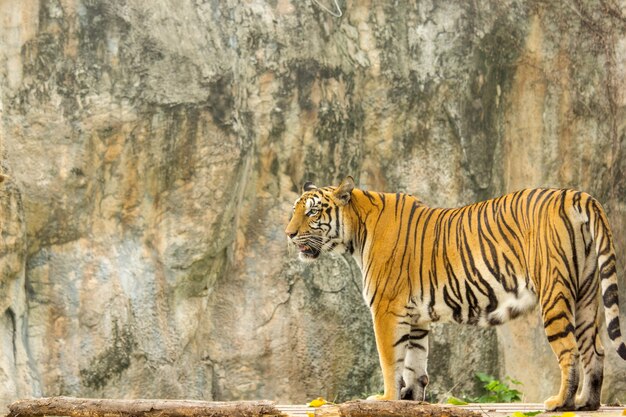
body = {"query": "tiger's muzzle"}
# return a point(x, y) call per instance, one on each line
point(309, 246)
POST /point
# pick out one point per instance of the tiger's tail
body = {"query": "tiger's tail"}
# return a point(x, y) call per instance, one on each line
point(603, 239)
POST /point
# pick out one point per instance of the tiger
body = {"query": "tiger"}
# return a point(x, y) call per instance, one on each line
point(481, 264)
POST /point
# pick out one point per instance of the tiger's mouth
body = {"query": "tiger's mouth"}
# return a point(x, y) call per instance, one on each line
point(308, 252)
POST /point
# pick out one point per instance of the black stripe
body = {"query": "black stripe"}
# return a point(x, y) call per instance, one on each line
point(403, 339)
point(397, 201)
point(607, 271)
point(457, 312)
point(397, 240)
point(406, 248)
point(467, 260)
point(559, 297)
point(369, 197)
point(486, 236)
point(431, 310)
point(581, 330)
point(416, 346)
point(588, 286)
point(568, 330)
point(610, 297)
point(421, 258)
point(613, 329)
point(571, 233)
point(546, 197)
point(417, 334)
point(486, 288)
point(552, 319)
point(373, 296)
point(622, 351)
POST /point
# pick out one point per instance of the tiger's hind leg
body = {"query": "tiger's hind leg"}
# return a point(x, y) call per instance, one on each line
point(414, 374)
point(588, 319)
point(592, 358)
point(558, 323)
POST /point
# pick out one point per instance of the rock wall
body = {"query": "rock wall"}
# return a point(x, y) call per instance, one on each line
point(154, 150)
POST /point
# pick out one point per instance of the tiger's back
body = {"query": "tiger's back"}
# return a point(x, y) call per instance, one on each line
point(486, 262)
point(480, 264)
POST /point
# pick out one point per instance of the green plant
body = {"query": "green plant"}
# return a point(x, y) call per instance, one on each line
point(496, 391)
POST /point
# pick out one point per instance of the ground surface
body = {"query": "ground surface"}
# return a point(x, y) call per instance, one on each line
point(489, 410)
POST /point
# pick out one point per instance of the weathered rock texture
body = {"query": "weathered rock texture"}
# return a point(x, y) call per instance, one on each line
point(155, 149)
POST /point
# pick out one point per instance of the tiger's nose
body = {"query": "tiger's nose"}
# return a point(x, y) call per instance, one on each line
point(291, 235)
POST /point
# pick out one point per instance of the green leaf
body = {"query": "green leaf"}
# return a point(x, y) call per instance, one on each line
point(456, 401)
point(494, 386)
point(483, 377)
point(526, 414)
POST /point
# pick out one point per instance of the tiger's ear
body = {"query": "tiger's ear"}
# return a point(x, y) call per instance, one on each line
point(344, 191)
point(308, 186)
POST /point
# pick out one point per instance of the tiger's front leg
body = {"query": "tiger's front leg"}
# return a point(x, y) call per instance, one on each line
point(414, 374)
point(392, 337)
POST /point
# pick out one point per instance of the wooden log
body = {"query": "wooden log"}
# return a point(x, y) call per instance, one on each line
point(88, 407)
point(392, 409)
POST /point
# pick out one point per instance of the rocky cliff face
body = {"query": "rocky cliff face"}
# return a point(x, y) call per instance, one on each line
point(154, 150)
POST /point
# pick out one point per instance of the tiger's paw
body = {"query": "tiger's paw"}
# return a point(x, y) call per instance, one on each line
point(377, 397)
point(555, 403)
point(415, 390)
point(412, 394)
point(586, 404)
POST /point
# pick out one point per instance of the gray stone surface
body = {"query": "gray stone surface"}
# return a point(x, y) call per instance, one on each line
point(155, 149)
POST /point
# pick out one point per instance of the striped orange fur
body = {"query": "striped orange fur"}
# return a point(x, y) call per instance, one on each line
point(480, 264)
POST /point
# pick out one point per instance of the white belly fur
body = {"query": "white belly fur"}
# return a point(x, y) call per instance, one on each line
point(510, 305)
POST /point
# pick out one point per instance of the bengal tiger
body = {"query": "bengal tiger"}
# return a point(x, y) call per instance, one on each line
point(481, 264)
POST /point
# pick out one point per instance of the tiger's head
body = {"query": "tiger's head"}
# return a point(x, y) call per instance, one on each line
point(317, 224)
